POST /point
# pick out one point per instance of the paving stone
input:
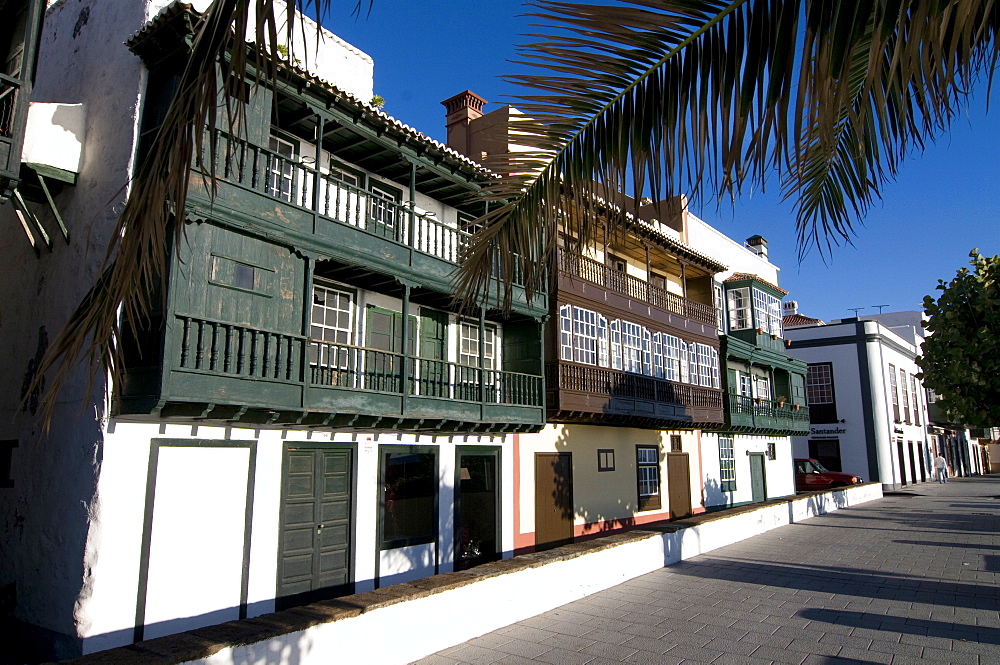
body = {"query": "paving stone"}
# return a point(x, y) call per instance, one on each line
point(882, 582)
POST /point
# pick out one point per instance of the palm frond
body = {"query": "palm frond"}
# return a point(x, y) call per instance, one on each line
point(705, 97)
point(135, 264)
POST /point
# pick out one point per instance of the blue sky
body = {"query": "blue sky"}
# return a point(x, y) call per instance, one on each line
point(945, 202)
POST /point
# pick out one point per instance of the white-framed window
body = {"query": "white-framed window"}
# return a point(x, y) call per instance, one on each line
point(693, 372)
point(659, 357)
point(280, 168)
point(720, 307)
point(616, 343)
point(469, 345)
point(635, 349)
point(762, 386)
point(916, 401)
point(684, 365)
point(746, 385)
point(894, 393)
point(727, 464)
point(739, 309)
point(819, 383)
point(333, 323)
point(767, 311)
point(705, 365)
point(647, 459)
point(583, 336)
point(672, 347)
point(906, 395)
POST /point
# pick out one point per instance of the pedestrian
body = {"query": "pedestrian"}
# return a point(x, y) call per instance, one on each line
point(941, 468)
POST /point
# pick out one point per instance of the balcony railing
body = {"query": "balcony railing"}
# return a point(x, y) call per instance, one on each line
point(298, 184)
point(234, 351)
point(614, 280)
point(615, 383)
point(767, 413)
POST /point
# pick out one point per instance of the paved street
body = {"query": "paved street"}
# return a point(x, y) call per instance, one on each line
point(908, 579)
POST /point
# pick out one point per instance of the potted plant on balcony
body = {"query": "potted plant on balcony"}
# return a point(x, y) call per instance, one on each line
point(796, 406)
point(781, 399)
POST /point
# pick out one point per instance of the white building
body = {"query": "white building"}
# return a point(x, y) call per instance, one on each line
point(868, 411)
point(280, 434)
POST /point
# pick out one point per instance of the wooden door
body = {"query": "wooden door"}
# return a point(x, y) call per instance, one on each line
point(433, 373)
point(553, 500)
point(678, 485)
point(384, 339)
point(315, 537)
point(758, 480)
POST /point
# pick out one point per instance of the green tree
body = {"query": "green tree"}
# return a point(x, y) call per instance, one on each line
point(961, 356)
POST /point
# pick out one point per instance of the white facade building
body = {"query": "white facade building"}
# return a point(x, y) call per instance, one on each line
point(868, 411)
point(278, 437)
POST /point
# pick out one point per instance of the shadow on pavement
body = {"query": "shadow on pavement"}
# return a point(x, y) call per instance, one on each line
point(898, 624)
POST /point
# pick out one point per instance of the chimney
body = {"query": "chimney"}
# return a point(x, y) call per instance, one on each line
point(790, 307)
point(758, 246)
point(460, 111)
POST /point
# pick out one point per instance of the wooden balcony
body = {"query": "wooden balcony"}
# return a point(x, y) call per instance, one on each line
point(755, 415)
point(220, 372)
point(266, 193)
point(581, 393)
point(577, 266)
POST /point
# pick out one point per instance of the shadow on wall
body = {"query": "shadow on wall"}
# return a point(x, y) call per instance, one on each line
point(615, 513)
point(715, 498)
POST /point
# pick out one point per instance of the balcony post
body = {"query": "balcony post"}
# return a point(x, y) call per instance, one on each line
point(320, 121)
point(482, 355)
point(309, 264)
point(405, 351)
point(411, 231)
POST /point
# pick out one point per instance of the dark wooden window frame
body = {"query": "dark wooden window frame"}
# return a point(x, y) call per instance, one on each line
point(649, 501)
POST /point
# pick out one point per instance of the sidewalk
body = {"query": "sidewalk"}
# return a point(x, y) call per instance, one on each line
point(908, 579)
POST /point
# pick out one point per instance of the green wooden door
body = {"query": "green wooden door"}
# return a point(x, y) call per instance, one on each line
point(316, 526)
point(433, 373)
point(384, 339)
point(758, 484)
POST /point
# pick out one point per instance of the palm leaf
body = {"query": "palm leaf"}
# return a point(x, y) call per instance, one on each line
point(705, 97)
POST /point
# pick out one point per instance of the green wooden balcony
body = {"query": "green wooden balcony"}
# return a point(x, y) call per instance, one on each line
point(264, 192)
point(224, 372)
point(613, 280)
point(754, 414)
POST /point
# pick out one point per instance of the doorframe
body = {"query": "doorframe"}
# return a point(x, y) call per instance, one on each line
point(352, 532)
point(763, 470)
point(497, 453)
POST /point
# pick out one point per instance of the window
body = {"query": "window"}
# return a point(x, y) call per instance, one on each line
point(762, 386)
point(605, 459)
point(672, 349)
point(235, 274)
point(767, 312)
point(617, 263)
point(826, 452)
point(894, 393)
point(635, 348)
point(820, 393)
point(916, 401)
point(739, 309)
point(647, 459)
point(684, 365)
point(280, 168)
point(382, 210)
point(469, 346)
point(727, 464)
point(408, 482)
point(583, 336)
point(772, 451)
point(720, 307)
point(676, 443)
point(708, 366)
point(905, 387)
point(332, 329)
point(746, 385)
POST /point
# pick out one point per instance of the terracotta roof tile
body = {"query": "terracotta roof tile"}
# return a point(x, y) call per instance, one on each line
point(743, 276)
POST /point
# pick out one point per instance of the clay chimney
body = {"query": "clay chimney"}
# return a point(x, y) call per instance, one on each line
point(460, 111)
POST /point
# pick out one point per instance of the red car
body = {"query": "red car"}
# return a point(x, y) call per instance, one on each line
point(811, 475)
